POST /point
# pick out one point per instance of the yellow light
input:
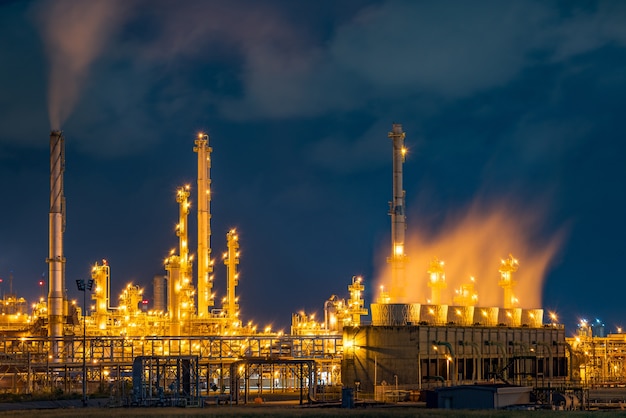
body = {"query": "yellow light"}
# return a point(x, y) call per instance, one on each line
point(398, 249)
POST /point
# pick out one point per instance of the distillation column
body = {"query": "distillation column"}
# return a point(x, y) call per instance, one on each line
point(507, 268)
point(101, 274)
point(356, 302)
point(179, 267)
point(231, 260)
point(205, 265)
point(398, 217)
point(436, 280)
point(56, 259)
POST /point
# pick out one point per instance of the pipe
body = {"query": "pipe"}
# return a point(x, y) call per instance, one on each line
point(449, 346)
point(475, 349)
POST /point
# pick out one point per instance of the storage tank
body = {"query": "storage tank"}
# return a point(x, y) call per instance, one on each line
point(158, 293)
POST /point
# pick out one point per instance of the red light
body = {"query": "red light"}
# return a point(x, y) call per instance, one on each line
point(145, 302)
point(40, 282)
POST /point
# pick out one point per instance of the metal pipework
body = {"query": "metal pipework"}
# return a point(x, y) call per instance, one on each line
point(205, 265)
point(56, 259)
point(398, 216)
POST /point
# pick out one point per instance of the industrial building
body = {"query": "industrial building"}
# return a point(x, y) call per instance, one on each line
point(186, 347)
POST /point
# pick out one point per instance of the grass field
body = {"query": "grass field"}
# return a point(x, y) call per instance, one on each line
point(260, 411)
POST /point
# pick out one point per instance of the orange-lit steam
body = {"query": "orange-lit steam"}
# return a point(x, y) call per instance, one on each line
point(74, 33)
point(473, 243)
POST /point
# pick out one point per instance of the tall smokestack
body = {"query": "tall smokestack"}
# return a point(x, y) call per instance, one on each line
point(398, 217)
point(205, 266)
point(56, 259)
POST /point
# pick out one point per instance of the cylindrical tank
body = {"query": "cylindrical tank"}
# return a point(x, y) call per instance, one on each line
point(434, 314)
point(532, 317)
point(461, 315)
point(158, 293)
point(395, 314)
point(486, 316)
point(511, 317)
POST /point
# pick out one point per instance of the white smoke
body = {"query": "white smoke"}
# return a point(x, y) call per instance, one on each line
point(472, 243)
point(74, 33)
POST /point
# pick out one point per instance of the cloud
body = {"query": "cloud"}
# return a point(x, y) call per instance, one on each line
point(400, 49)
point(244, 61)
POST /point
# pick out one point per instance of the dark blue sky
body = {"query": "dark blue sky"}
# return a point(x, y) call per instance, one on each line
point(513, 110)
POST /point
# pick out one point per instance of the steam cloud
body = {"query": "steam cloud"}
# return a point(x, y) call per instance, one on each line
point(74, 33)
point(473, 245)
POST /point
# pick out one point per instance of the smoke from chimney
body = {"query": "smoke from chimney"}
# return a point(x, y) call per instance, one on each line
point(74, 33)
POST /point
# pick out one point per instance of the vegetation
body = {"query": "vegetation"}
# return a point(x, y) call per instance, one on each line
point(260, 411)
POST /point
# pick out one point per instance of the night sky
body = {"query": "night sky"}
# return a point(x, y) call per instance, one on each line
point(514, 114)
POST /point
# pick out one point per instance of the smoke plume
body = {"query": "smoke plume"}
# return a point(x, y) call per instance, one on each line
point(472, 244)
point(74, 33)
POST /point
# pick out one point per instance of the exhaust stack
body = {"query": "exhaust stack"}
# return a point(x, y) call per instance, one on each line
point(56, 259)
point(397, 258)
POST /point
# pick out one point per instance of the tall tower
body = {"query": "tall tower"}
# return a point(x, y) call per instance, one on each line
point(437, 280)
point(56, 259)
point(205, 265)
point(355, 307)
point(102, 278)
point(179, 268)
point(507, 268)
point(231, 260)
point(398, 217)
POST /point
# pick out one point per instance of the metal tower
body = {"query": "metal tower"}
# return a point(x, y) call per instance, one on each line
point(507, 268)
point(231, 260)
point(56, 259)
point(205, 264)
point(398, 216)
point(437, 280)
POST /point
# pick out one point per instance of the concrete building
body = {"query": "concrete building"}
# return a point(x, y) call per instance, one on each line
point(413, 357)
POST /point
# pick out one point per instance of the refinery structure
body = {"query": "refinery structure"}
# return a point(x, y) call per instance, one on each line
point(188, 346)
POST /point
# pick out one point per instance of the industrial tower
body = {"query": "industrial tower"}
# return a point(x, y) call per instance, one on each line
point(205, 264)
point(507, 268)
point(436, 280)
point(57, 300)
point(398, 217)
point(179, 269)
point(231, 260)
